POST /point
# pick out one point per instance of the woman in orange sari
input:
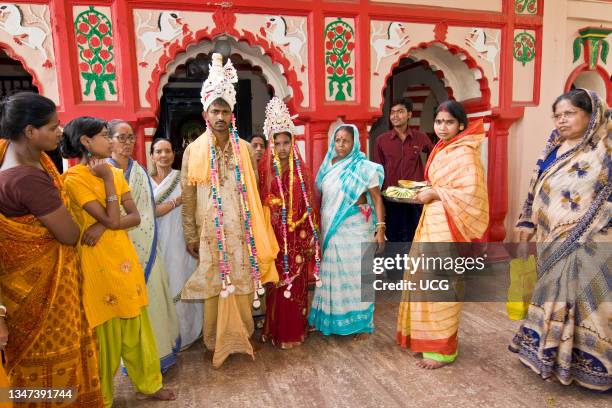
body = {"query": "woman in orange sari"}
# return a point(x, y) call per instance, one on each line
point(456, 210)
point(50, 343)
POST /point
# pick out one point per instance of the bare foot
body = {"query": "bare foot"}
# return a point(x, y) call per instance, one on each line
point(362, 336)
point(311, 329)
point(429, 364)
point(163, 394)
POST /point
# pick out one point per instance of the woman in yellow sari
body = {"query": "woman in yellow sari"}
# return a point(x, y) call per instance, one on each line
point(50, 344)
point(115, 292)
point(456, 210)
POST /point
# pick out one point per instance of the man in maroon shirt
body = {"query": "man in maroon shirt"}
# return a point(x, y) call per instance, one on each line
point(399, 151)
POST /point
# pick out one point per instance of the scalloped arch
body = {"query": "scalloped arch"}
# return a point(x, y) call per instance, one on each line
point(14, 55)
point(458, 70)
point(270, 59)
point(272, 72)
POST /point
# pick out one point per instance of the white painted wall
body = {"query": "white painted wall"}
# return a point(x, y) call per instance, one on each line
point(489, 5)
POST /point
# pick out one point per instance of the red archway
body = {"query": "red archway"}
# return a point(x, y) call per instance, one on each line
point(473, 105)
point(14, 55)
point(600, 71)
point(497, 159)
point(273, 52)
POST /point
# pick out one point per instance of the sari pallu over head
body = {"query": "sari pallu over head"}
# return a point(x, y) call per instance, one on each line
point(269, 192)
point(567, 329)
point(352, 175)
point(299, 230)
point(568, 203)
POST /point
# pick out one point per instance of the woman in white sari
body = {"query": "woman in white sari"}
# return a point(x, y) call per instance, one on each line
point(179, 264)
point(145, 239)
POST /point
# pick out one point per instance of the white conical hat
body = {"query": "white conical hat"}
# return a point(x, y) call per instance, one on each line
point(278, 118)
point(220, 83)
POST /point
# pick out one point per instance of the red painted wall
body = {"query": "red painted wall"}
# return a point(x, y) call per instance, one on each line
point(320, 114)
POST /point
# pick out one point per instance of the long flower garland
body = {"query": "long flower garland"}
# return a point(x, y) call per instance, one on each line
point(224, 264)
point(277, 169)
point(220, 233)
point(315, 231)
point(279, 182)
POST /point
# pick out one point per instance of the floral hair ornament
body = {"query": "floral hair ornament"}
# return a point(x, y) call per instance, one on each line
point(278, 119)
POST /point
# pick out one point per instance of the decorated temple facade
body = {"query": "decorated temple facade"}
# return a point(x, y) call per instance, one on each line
point(331, 61)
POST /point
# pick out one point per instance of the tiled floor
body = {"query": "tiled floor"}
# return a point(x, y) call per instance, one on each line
point(339, 372)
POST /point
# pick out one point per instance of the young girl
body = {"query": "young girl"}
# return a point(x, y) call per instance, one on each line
point(115, 294)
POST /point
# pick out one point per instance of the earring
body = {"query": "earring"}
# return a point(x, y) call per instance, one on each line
point(89, 154)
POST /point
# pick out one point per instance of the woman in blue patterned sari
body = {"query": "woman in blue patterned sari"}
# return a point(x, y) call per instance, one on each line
point(566, 335)
point(350, 186)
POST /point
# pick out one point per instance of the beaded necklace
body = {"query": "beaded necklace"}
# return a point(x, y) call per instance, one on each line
point(279, 182)
point(315, 231)
point(227, 287)
point(294, 161)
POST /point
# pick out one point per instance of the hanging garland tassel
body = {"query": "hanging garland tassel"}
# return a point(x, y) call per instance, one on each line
point(294, 161)
point(227, 287)
point(220, 234)
point(315, 231)
point(279, 182)
point(246, 213)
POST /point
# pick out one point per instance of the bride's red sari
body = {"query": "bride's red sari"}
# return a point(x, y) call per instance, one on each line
point(286, 318)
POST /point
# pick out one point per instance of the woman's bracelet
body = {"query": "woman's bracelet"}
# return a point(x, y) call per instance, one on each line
point(112, 198)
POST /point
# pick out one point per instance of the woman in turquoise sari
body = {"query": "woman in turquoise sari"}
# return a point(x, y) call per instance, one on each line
point(350, 186)
point(144, 237)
